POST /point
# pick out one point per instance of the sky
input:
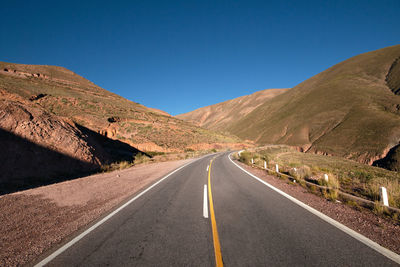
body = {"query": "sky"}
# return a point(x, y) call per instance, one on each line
point(178, 56)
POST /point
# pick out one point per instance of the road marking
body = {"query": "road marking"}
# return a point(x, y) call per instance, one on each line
point(79, 237)
point(205, 203)
point(217, 246)
point(384, 251)
point(208, 167)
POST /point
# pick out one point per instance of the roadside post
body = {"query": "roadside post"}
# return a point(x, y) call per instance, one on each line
point(384, 196)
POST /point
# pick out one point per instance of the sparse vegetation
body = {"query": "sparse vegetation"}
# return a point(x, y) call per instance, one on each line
point(379, 209)
point(225, 113)
point(350, 110)
point(141, 158)
point(72, 96)
point(116, 166)
point(332, 182)
point(245, 157)
point(300, 173)
point(349, 176)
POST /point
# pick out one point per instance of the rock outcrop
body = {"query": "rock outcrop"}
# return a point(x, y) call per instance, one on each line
point(40, 148)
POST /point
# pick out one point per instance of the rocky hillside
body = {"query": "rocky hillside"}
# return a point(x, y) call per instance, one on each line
point(63, 93)
point(351, 110)
point(40, 148)
point(56, 125)
point(222, 115)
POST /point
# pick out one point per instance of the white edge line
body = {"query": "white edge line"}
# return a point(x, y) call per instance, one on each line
point(79, 237)
point(384, 251)
point(205, 203)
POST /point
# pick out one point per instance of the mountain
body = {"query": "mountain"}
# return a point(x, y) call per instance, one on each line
point(63, 93)
point(55, 124)
point(222, 115)
point(351, 110)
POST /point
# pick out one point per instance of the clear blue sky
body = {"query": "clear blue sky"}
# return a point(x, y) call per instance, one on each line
point(181, 55)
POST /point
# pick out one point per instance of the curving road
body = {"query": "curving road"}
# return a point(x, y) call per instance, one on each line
point(255, 226)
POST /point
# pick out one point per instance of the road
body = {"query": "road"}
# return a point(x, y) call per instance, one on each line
point(255, 226)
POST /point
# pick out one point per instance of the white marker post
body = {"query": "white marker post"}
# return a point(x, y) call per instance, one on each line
point(265, 164)
point(276, 168)
point(326, 177)
point(384, 196)
point(252, 161)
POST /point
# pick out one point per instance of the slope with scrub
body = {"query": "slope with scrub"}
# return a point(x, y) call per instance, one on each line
point(221, 115)
point(350, 110)
point(66, 94)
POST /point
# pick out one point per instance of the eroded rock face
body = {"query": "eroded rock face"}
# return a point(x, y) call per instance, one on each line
point(49, 131)
point(37, 97)
point(23, 73)
point(37, 147)
point(391, 161)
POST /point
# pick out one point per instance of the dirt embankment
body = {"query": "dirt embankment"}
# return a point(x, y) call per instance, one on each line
point(33, 221)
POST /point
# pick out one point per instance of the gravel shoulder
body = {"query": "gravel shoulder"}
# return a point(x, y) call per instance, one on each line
point(383, 231)
point(35, 220)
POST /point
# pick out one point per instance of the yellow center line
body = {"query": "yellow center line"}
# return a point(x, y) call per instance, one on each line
point(217, 246)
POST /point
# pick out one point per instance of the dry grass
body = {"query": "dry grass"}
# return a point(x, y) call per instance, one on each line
point(91, 106)
point(300, 173)
point(333, 185)
point(347, 111)
point(116, 166)
point(351, 177)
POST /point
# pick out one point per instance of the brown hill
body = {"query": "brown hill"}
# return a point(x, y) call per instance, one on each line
point(63, 93)
point(38, 147)
point(56, 125)
point(222, 115)
point(351, 110)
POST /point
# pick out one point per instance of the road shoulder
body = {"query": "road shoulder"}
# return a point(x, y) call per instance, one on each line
point(379, 230)
point(35, 220)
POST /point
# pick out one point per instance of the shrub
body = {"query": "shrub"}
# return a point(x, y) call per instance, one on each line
point(116, 166)
point(140, 158)
point(333, 185)
point(245, 157)
point(378, 208)
point(330, 194)
point(301, 173)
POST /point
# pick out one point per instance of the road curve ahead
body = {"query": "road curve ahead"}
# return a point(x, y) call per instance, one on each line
point(171, 225)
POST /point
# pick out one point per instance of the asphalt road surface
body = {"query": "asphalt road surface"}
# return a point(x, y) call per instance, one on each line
point(255, 226)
